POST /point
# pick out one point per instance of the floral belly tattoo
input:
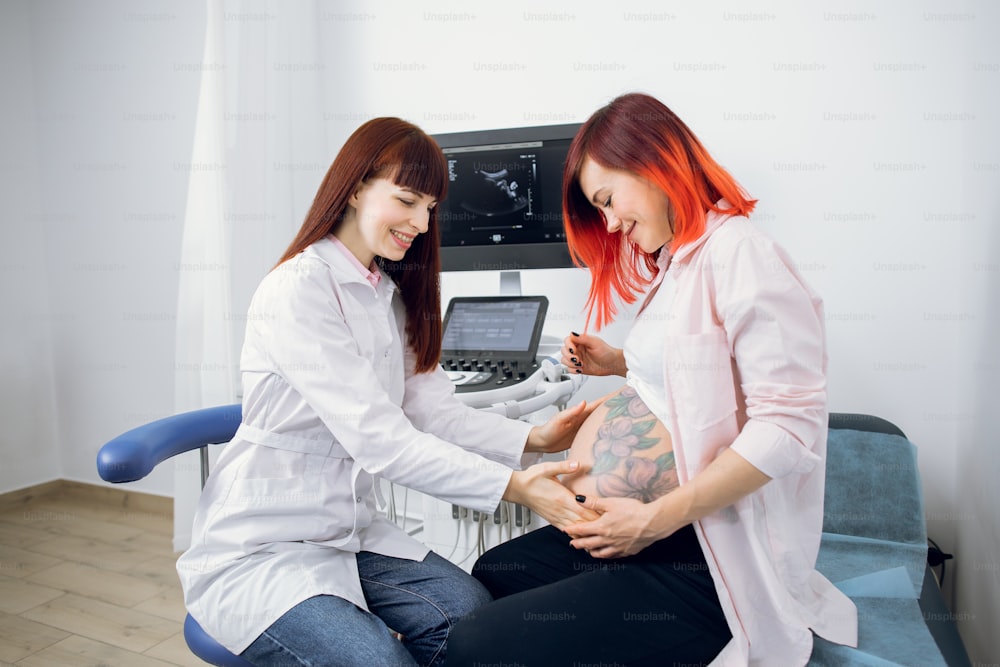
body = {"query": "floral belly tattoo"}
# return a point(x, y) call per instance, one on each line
point(618, 468)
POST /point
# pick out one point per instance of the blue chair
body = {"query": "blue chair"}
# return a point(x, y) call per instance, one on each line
point(133, 455)
point(874, 549)
point(871, 479)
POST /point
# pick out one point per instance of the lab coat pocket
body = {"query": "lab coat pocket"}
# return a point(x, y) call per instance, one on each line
point(287, 509)
point(701, 373)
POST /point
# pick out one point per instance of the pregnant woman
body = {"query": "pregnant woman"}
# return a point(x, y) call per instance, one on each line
point(707, 466)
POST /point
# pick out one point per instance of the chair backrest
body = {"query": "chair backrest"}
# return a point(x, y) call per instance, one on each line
point(873, 487)
point(860, 422)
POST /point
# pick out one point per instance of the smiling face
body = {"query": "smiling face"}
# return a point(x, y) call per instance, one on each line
point(383, 219)
point(630, 205)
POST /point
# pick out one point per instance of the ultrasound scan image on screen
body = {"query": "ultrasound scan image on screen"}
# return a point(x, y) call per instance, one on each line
point(500, 185)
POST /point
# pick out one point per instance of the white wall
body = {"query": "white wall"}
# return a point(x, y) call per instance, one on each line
point(109, 97)
point(27, 400)
point(866, 130)
point(973, 410)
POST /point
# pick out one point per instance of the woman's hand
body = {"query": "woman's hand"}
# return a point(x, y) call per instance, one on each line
point(625, 527)
point(557, 433)
point(590, 355)
point(538, 489)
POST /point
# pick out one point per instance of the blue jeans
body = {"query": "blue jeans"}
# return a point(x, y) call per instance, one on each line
point(421, 600)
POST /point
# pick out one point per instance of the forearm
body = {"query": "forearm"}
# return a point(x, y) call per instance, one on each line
point(724, 481)
point(619, 366)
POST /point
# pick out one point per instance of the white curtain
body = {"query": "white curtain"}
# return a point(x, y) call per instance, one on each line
point(259, 152)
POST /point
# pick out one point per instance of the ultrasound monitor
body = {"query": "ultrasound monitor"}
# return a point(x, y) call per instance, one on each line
point(503, 211)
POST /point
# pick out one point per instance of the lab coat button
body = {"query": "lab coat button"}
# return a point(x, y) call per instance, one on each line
point(358, 499)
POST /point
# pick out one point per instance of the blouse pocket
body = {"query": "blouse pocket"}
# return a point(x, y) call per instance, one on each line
point(702, 373)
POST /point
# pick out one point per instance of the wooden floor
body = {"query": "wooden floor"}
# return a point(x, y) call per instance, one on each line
point(87, 579)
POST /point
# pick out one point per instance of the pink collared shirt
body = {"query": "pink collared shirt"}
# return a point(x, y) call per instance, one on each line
point(371, 273)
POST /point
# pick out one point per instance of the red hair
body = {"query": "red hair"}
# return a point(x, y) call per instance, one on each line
point(400, 151)
point(637, 133)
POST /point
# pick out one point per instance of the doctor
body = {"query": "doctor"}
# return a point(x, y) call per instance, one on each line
point(291, 562)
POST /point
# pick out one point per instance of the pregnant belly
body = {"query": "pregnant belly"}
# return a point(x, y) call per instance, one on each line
point(624, 451)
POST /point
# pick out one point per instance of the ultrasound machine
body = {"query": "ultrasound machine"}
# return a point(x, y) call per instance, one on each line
point(503, 213)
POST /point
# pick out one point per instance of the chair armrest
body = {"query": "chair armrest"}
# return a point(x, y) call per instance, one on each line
point(134, 454)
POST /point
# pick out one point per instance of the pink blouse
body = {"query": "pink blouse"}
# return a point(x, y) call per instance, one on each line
point(745, 367)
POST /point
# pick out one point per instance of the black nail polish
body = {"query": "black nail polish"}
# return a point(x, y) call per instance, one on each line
point(574, 333)
point(575, 360)
point(581, 499)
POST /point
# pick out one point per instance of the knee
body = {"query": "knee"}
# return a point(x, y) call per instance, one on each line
point(472, 596)
point(453, 598)
point(466, 597)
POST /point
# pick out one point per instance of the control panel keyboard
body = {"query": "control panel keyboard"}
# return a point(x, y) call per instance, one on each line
point(479, 374)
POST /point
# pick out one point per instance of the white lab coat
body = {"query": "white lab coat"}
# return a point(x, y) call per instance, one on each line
point(330, 404)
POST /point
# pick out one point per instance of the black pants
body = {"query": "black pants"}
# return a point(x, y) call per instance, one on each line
point(555, 605)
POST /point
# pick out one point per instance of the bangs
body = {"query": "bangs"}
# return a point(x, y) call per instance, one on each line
point(416, 163)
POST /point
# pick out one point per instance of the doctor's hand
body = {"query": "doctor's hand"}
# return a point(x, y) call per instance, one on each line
point(590, 355)
point(625, 527)
point(538, 489)
point(557, 434)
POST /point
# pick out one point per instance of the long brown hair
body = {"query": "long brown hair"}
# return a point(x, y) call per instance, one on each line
point(639, 134)
point(400, 151)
